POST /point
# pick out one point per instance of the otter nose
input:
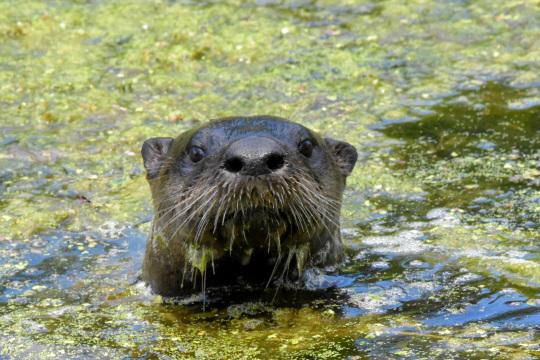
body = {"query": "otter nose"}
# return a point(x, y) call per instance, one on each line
point(254, 155)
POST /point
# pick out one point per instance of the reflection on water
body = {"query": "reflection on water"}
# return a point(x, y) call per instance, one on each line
point(441, 217)
point(415, 286)
point(477, 154)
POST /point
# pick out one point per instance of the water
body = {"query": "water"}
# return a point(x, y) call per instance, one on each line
point(441, 215)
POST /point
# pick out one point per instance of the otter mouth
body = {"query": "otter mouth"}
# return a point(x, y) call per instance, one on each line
point(251, 214)
point(258, 227)
point(260, 244)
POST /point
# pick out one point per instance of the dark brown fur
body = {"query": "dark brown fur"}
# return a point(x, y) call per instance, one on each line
point(226, 227)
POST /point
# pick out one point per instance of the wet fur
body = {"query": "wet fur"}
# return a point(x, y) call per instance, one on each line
point(203, 218)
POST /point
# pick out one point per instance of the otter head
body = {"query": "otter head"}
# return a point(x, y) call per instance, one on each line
point(239, 189)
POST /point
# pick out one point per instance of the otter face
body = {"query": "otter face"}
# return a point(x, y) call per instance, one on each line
point(241, 186)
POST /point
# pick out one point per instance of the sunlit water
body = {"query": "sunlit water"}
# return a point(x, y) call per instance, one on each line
point(441, 216)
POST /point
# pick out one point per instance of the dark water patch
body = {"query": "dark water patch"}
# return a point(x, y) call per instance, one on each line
point(475, 154)
point(470, 123)
point(479, 150)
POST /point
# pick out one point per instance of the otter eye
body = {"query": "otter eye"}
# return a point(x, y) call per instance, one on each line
point(306, 148)
point(196, 154)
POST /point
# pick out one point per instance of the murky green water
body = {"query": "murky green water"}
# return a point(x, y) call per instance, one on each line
point(442, 214)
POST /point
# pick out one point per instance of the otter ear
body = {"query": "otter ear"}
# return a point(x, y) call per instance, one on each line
point(153, 153)
point(344, 153)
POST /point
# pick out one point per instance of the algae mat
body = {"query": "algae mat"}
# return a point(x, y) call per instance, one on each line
point(442, 213)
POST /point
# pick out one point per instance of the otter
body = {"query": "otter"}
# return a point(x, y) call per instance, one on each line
point(243, 200)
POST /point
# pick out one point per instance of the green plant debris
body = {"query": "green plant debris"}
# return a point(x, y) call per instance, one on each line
point(440, 218)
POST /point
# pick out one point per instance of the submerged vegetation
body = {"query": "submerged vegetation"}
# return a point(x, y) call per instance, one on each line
point(441, 217)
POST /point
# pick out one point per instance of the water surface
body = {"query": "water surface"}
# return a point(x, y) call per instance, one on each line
point(441, 216)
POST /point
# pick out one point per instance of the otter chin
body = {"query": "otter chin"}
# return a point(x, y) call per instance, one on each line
point(243, 201)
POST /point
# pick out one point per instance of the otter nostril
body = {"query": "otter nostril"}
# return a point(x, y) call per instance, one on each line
point(275, 161)
point(234, 164)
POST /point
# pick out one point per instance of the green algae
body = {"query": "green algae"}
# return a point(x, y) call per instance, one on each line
point(479, 154)
point(441, 100)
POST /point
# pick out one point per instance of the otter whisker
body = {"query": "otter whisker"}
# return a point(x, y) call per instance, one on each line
point(203, 223)
point(313, 195)
point(190, 217)
point(186, 209)
point(322, 218)
point(276, 265)
point(223, 200)
point(303, 210)
point(286, 267)
point(233, 237)
point(230, 193)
